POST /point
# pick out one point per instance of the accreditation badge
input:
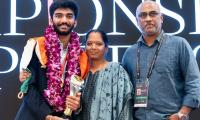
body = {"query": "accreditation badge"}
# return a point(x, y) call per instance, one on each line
point(141, 93)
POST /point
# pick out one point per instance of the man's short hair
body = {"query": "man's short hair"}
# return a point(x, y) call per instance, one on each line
point(71, 4)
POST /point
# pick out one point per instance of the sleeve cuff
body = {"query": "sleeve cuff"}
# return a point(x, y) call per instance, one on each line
point(191, 102)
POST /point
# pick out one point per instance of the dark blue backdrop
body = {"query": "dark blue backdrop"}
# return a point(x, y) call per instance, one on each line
point(21, 19)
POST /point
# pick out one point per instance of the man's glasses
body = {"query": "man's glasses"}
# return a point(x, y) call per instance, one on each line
point(152, 14)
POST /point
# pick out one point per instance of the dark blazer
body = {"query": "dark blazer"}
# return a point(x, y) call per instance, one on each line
point(34, 106)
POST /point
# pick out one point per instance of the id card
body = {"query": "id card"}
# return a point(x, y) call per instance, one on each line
point(141, 93)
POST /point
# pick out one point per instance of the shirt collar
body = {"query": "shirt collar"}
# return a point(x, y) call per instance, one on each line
point(141, 39)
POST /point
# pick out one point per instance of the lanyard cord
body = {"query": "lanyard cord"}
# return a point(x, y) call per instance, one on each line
point(153, 60)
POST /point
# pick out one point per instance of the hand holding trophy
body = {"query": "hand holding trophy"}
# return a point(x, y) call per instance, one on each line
point(75, 84)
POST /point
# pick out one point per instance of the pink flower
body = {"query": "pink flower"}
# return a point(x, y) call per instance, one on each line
point(55, 94)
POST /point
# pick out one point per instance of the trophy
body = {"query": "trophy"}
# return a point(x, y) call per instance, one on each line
point(75, 85)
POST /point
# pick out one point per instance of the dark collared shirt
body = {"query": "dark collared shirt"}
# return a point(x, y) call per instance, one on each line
point(175, 79)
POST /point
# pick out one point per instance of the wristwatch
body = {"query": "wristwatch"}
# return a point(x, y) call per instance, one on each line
point(183, 116)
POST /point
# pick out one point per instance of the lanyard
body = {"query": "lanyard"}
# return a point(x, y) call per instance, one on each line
point(153, 60)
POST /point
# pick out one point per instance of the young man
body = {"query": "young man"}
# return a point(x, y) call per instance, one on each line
point(163, 70)
point(52, 61)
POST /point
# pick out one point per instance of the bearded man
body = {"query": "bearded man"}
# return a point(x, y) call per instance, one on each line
point(51, 61)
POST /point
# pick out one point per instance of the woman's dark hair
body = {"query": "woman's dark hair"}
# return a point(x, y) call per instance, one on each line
point(71, 4)
point(102, 33)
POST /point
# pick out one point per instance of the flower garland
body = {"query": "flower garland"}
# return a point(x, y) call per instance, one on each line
point(56, 93)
